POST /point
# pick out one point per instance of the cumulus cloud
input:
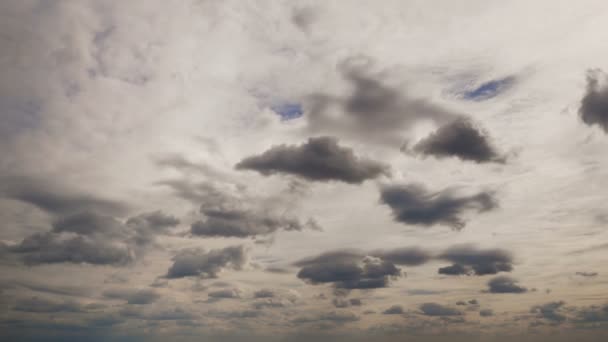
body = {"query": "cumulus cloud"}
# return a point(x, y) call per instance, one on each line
point(434, 309)
point(469, 260)
point(414, 204)
point(394, 310)
point(503, 284)
point(594, 105)
point(550, 311)
point(348, 270)
point(319, 159)
point(203, 264)
point(460, 139)
point(131, 296)
point(93, 238)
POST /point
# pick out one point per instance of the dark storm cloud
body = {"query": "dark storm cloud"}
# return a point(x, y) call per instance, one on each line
point(550, 312)
point(505, 284)
point(374, 110)
point(594, 105)
point(469, 260)
point(434, 309)
point(394, 310)
point(319, 159)
point(200, 263)
point(460, 139)
point(414, 204)
point(47, 248)
point(55, 198)
point(41, 305)
point(140, 297)
point(348, 270)
point(410, 256)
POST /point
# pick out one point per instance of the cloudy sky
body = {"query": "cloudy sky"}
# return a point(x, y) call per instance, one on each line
point(303, 170)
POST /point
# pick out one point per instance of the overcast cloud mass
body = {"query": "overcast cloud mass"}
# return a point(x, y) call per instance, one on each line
point(303, 170)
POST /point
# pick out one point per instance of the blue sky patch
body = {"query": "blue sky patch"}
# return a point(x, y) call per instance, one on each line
point(489, 89)
point(288, 110)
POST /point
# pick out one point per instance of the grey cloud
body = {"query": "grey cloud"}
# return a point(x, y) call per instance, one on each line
point(374, 111)
point(55, 198)
point(469, 260)
point(319, 159)
point(414, 204)
point(394, 310)
point(88, 223)
point(461, 303)
point(41, 305)
point(594, 105)
point(148, 225)
point(411, 256)
point(345, 303)
point(333, 317)
point(198, 262)
point(63, 290)
point(348, 270)
point(434, 309)
point(594, 314)
point(486, 313)
point(46, 248)
point(140, 297)
point(505, 284)
point(264, 293)
point(587, 274)
point(550, 311)
point(225, 293)
point(303, 18)
point(460, 139)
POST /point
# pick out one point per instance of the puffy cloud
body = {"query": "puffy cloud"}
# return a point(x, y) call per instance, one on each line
point(319, 159)
point(594, 105)
point(460, 139)
point(505, 284)
point(348, 270)
point(141, 297)
point(550, 311)
point(414, 204)
point(200, 263)
point(469, 260)
point(394, 310)
point(434, 309)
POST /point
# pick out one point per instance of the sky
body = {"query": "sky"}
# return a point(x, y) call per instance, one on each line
point(407, 170)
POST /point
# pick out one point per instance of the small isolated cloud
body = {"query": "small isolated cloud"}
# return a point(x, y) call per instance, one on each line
point(587, 274)
point(224, 294)
point(505, 284)
point(415, 204)
point(410, 256)
point(594, 105)
point(469, 260)
point(200, 263)
point(460, 139)
point(394, 310)
point(319, 159)
point(486, 313)
point(434, 309)
point(140, 297)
